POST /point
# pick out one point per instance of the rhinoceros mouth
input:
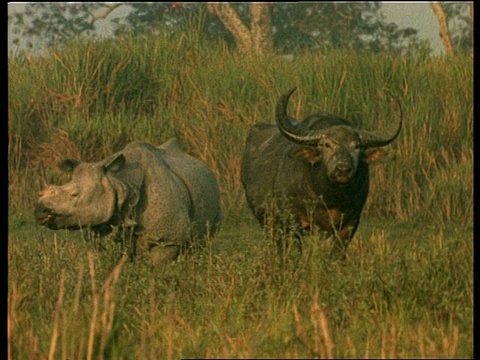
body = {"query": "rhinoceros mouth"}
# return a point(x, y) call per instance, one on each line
point(54, 221)
point(58, 223)
point(44, 215)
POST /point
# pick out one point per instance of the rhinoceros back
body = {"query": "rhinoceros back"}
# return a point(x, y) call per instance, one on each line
point(201, 184)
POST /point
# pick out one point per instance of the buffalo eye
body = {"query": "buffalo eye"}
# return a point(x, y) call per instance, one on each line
point(327, 145)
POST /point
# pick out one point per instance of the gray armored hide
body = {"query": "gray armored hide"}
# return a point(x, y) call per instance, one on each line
point(160, 196)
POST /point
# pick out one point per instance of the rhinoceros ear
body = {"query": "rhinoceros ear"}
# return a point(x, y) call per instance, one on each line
point(115, 164)
point(68, 165)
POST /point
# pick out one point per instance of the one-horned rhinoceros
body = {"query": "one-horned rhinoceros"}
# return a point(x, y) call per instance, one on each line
point(299, 176)
point(160, 195)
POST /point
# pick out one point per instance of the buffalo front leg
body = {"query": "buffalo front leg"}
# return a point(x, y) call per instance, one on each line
point(341, 239)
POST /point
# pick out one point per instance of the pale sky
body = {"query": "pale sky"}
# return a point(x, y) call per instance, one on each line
point(418, 15)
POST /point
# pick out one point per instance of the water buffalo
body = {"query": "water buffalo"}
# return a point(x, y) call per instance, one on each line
point(161, 196)
point(314, 174)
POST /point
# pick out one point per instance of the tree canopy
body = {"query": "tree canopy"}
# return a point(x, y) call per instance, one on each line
point(317, 26)
point(460, 15)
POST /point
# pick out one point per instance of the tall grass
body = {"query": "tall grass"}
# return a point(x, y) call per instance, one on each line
point(105, 94)
point(403, 293)
point(406, 289)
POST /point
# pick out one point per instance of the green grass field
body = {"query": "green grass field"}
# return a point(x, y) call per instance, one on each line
point(405, 290)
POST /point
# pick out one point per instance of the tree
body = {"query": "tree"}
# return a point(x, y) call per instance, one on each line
point(318, 26)
point(460, 23)
point(257, 36)
point(456, 25)
point(338, 25)
point(257, 27)
point(53, 23)
point(443, 22)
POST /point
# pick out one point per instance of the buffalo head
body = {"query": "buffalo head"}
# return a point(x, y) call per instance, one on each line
point(338, 145)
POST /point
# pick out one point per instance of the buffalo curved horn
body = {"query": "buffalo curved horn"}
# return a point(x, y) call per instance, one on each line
point(288, 129)
point(378, 138)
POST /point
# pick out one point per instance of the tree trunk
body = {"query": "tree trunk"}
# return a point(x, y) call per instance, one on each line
point(471, 16)
point(257, 38)
point(471, 11)
point(260, 18)
point(443, 22)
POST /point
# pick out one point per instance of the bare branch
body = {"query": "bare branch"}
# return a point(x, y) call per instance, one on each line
point(443, 22)
point(347, 17)
point(471, 10)
point(233, 23)
point(107, 12)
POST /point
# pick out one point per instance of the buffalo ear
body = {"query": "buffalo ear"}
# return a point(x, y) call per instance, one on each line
point(67, 165)
point(308, 153)
point(375, 156)
point(115, 164)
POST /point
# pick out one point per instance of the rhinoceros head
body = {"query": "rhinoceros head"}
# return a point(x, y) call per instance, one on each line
point(95, 192)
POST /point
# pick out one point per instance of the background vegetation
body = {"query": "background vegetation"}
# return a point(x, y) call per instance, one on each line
point(406, 289)
point(297, 26)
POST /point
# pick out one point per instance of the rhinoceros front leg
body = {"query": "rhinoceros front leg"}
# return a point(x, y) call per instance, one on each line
point(163, 254)
point(157, 251)
point(93, 237)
